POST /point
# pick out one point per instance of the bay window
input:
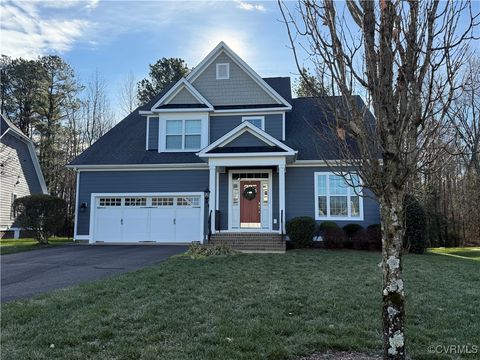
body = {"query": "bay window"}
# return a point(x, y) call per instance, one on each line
point(336, 198)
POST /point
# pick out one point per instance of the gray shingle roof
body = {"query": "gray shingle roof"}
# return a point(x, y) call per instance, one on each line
point(125, 143)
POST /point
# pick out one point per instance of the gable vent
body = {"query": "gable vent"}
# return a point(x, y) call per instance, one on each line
point(223, 71)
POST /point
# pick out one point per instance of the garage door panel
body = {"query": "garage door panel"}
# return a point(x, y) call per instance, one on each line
point(188, 224)
point(162, 227)
point(135, 224)
point(108, 224)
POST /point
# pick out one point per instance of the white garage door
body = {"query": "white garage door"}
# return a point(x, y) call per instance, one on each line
point(167, 219)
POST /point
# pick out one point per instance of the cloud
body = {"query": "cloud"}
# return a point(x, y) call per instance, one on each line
point(64, 4)
point(27, 34)
point(249, 6)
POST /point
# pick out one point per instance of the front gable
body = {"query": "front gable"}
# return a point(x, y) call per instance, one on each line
point(182, 96)
point(225, 80)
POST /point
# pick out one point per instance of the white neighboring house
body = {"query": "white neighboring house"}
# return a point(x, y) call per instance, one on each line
point(20, 174)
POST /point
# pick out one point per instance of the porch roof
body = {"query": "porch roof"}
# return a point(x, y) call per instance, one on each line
point(267, 144)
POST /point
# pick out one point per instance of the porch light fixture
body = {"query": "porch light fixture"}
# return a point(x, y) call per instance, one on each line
point(83, 206)
point(206, 193)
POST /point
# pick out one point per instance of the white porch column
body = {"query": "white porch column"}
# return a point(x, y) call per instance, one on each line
point(213, 195)
point(281, 197)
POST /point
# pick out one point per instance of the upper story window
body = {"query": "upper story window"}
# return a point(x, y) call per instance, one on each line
point(335, 198)
point(258, 121)
point(183, 134)
point(223, 71)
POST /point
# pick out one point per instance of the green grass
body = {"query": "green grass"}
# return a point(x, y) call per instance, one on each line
point(10, 246)
point(255, 306)
point(472, 253)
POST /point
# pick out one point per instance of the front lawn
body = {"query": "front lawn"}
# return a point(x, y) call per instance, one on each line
point(256, 306)
point(10, 246)
point(472, 253)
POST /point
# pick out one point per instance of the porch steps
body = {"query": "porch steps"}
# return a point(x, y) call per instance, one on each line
point(251, 242)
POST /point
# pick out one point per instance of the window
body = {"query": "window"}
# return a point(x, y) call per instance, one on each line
point(258, 121)
point(162, 201)
point(337, 199)
point(136, 201)
point(188, 201)
point(110, 201)
point(13, 213)
point(183, 134)
point(223, 71)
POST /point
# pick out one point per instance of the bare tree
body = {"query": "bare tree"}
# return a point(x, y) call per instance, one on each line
point(127, 94)
point(404, 57)
point(97, 115)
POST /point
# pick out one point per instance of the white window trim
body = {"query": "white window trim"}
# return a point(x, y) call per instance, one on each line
point(162, 143)
point(246, 118)
point(217, 73)
point(349, 193)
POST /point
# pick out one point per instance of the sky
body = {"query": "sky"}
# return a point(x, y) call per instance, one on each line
point(118, 37)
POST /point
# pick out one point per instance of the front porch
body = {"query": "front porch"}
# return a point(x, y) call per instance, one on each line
point(251, 242)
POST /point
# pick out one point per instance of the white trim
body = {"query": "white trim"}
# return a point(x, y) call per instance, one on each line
point(330, 217)
point(281, 197)
point(212, 186)
point(270, 199)
point(81, 237)
point(93, 196)
point(140, 167)
point(77, 193)
point(262, 119)
point(181, 84)
point(243, 111)
point(147, 132)
point(195, 73)
point(254, 130)
point(217, 73)
point(246, 161)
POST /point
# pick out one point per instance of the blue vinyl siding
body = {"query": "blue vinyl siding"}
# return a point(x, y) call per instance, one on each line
point(153, 134)
point(136, 182)
point(300, 197)
point(220, 125)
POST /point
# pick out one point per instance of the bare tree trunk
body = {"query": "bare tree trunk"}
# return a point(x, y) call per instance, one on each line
point(391, 212)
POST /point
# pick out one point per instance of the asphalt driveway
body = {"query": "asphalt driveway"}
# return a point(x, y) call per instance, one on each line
point(38, 271)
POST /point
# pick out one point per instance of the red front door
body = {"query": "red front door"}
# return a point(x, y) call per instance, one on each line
point(250, 203)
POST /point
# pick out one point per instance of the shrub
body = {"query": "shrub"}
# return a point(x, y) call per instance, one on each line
point(334, 238)
point(43, 214)
point(301, 230)
point(351, 229)
point(374, 236)
point(415, 226)
point(199, 251)
point(325, 225)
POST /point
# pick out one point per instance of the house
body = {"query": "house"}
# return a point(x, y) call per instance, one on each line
point(20, 175)
point(221, 152)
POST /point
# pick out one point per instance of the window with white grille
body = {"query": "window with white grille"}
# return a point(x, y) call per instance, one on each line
point(110, 201)
point(136, 201)
point(188, 201)
point(162, 201)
